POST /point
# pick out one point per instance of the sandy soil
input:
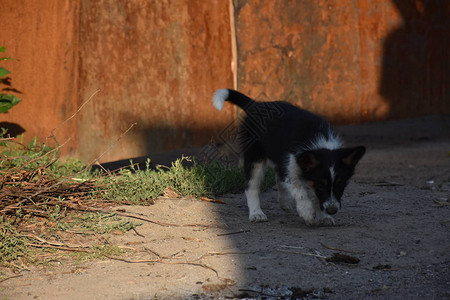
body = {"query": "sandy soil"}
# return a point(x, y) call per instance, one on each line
point(395, 220)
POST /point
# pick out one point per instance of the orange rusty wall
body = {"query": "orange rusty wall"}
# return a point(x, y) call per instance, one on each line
point(42, 35)
point(349, 61)
point(156, 63)
point(305, 52)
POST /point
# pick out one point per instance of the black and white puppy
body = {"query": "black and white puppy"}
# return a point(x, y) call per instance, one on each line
point(308, 156)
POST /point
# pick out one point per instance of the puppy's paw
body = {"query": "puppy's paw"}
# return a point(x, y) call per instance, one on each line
point(323, 219)
point(319, 219)
point(257, 216)
point(326, 220)
point(310, 220)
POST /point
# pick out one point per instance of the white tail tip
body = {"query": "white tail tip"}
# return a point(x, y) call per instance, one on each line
point(219, 98)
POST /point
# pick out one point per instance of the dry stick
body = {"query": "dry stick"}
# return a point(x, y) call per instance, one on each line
point(84, 169)
point(39, 157)
point(137, 233)
point(230, 233)
point(52, 135)
point(60, 248)
point(159, 260)
point(52, 132)
point(153, 252)
point(212, 200)
point(11, 277)
point(343, 250)
point(229, 253)
point(113, 143)
point(303, 253)
point(441, 203)
point(224, 253)
point(6, 140)
point(72, 116)
point(58, 244)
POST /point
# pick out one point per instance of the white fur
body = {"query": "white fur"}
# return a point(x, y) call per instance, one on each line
point(332, 142)
point(332, 201)
point(306, 202)
point(252, 194)
point(219, 98)
point(332, 173)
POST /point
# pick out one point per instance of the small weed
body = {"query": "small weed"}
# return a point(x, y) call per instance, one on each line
point(97, 223)
point(34, 160)
point(12, 246)
point(98, 252)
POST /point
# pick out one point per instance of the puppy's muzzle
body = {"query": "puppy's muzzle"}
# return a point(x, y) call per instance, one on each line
point(331, 207)
point(331, 210)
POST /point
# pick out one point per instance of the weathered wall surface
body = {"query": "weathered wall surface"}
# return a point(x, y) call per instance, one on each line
point(43, 37)
point(351, 61)
point(415, 72)
point(157, 63)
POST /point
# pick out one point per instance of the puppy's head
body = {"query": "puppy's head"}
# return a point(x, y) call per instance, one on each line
point(328, 172)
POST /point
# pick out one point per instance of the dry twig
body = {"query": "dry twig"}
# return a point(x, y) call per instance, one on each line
point(342, 250)
point(161, 261)
point(10, 277)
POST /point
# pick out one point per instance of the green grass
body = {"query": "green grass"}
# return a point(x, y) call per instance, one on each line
point(211, 179)
point(12, 246)
point(98, 252)
point(35, 164)
point(37, 157)
point(15, 242)
point(137, 186)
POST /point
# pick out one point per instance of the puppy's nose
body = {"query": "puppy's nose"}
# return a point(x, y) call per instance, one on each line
point(331, 210)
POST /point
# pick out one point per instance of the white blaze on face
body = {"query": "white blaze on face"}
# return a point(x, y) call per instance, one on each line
point(332, 201)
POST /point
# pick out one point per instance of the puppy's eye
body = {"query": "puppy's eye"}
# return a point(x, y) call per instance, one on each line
point(322, 184)
point(339, 181)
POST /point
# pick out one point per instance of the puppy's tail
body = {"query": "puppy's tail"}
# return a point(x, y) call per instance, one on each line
point(220, 96)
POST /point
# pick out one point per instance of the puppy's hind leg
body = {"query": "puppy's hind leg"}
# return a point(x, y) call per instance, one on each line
point(255, 174)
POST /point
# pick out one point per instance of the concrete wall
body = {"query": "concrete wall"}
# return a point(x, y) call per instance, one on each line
point(157, 63)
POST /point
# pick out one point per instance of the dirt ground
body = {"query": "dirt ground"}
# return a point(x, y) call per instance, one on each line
point(395, 220)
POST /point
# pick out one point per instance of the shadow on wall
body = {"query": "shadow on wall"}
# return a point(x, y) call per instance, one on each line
point(13, 128)
point(156, 140)
point(416, 59)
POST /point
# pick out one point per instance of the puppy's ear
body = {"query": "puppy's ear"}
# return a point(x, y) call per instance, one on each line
point(351, 156)
point(307, 161)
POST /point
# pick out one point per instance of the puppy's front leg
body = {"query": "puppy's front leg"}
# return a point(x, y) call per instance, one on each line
point(303, 204)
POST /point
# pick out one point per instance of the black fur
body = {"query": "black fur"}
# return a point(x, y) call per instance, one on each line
point(276, 131)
